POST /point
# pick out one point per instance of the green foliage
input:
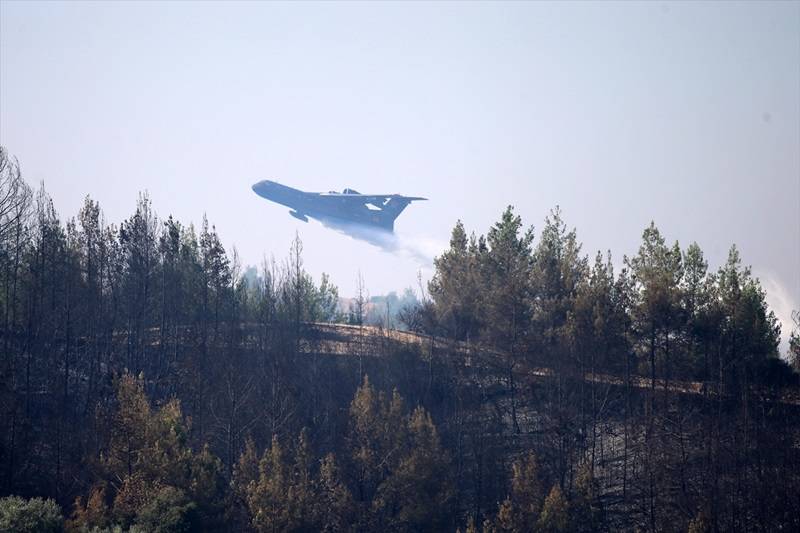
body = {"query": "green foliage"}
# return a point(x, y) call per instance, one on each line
point(558, 274)
point(507, 520)
point(36, 515)
point(129, 428)
point(794, 343)
point(324, 305)
point(555, 512)
point(267, 497)
point(456, 286)
point(506, 266)
point(287, 494)
point(376, 437)
point(656, 273)
point(750, 331)
point(95, 514)
point(416, 495)
point(401, 475)
point(169, 511)
point(554, 352)
point(520, 510)
point(585, 512)
point(527, 489)
point(148, 456)
point(246, 471)
point(334, 508)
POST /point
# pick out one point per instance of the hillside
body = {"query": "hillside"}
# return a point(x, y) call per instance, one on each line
point(150, 381)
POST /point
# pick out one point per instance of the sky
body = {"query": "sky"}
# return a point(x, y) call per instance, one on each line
point(687, 114)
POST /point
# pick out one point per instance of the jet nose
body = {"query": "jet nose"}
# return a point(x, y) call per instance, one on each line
point(260, 187)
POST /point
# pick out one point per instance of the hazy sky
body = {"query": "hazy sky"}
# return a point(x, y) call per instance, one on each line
point(684, 113)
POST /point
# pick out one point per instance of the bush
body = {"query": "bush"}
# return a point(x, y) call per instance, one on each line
point(169, 512)
point(35, 515)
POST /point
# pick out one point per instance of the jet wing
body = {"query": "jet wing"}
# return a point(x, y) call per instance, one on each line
point(369, 198)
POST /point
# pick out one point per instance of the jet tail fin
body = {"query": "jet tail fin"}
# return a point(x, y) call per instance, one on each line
point(392, 208)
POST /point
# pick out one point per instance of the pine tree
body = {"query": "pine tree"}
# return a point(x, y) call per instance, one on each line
point(656, 271)
point(364, 436)
point(246, 470)
point(559, 272)
point(149, 450)
point(267, 498)
point(507, 266)
point(129, 429)
point(507, 520)
point(750, 331)
point(334, 504)
point(527, 490)
point(94, 514)
point(585, 511)
point(555, 512)
point(794, 342)
point(417, 494)
point(520, 510)
point(377, 437)
point(300, 493)
point(456, 286)
point(137, 237)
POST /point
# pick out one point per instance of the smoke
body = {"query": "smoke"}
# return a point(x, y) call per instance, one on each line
point(419, 249)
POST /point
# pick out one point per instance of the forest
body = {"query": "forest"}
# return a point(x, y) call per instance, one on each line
point(151, 382)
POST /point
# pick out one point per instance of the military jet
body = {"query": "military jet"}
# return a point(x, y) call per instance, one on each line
point(338, 209)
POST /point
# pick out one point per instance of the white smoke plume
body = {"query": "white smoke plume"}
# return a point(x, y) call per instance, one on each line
point(420, 249)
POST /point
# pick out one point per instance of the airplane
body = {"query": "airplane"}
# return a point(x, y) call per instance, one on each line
point(338, 209)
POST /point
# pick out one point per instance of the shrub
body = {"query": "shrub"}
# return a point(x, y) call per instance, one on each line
point(169, 512)
point(35, 515)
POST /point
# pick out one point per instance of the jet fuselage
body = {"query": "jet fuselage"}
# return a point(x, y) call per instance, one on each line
point(348, 207)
